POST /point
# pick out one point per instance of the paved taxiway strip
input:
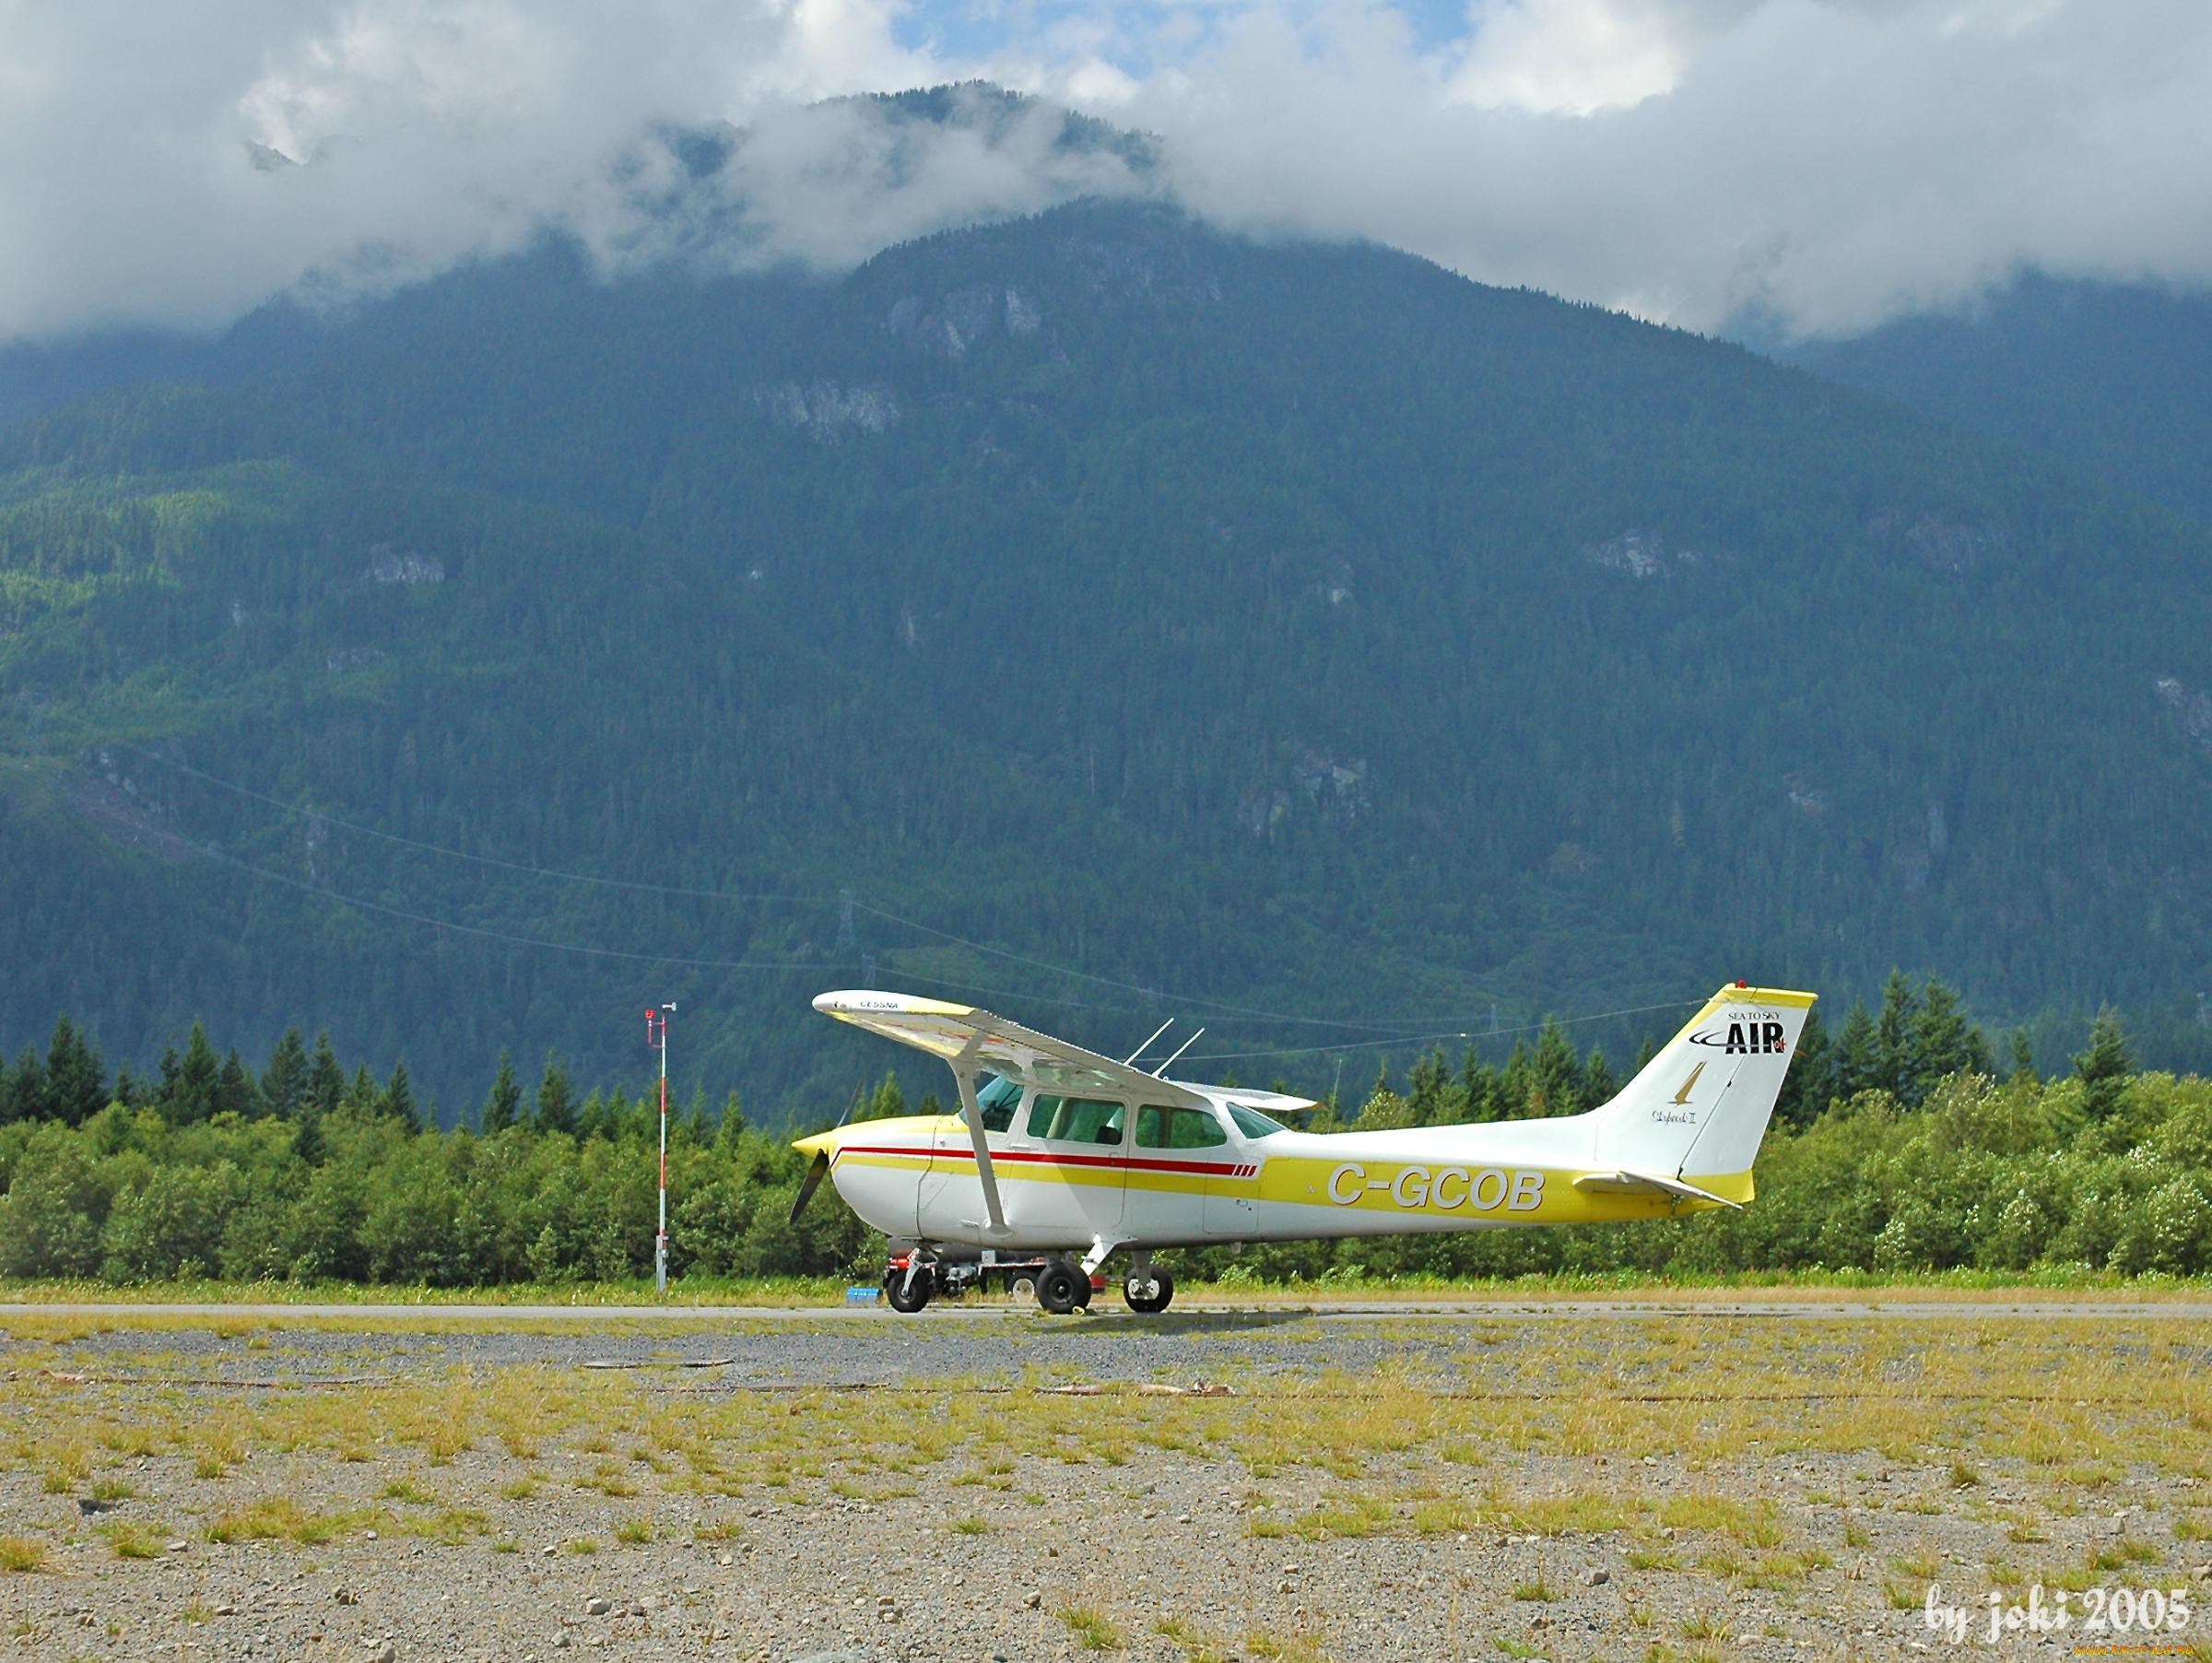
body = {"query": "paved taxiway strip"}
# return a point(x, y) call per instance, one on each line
point(1793, 1310)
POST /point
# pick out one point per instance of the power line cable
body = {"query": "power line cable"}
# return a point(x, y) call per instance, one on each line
point(1601, 1016)
point(841, 901)
point(326, 893)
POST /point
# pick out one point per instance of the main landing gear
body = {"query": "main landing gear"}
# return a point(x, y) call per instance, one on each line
point(914, 1276)
point(1062, 1287)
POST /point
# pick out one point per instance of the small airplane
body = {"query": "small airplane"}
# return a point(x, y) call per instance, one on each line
point(1060, 1158)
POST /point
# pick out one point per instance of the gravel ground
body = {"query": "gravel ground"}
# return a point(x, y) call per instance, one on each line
point(967, 1488)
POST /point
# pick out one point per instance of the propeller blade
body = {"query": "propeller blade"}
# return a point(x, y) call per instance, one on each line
point(812, 1182)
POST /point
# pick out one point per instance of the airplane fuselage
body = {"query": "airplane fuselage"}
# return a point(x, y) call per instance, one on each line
point(915, 1179)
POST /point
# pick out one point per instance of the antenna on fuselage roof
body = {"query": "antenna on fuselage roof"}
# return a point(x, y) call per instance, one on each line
point(1130, 1060)
point(1161, 1072)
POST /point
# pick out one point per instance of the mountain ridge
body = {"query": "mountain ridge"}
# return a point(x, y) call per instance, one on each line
point(1298, 623)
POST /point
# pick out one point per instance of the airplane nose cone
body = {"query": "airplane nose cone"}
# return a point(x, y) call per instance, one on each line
point(822, 1143)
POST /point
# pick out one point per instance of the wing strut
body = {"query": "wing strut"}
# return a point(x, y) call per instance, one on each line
point(963, 1070)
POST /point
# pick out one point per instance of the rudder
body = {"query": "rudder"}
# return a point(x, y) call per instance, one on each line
point(1698, 1109)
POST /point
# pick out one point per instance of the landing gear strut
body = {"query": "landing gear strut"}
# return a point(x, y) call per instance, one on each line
point(907, 1287)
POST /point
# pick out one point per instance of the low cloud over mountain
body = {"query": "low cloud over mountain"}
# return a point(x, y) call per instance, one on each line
point(1819, 165)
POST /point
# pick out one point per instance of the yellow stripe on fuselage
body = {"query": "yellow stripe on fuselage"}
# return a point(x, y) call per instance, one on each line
point(1502, 1193)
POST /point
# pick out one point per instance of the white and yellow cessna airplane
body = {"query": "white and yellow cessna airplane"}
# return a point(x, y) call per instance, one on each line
point(1064, 1156)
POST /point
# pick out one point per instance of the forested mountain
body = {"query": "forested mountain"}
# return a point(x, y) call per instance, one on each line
point(1293, 631)
point(2115, 378)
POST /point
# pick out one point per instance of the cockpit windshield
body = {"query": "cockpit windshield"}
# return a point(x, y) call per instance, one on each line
point(998, 1097)
point(1253, 1124)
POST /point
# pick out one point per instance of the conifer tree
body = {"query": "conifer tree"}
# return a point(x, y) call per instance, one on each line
point(284, 1085)
point(1516, 1081)
point(504, 1106)
point(1598, 1084)
point(2023, 1059)
point(1857, 1054)
point(308, 1141)
point(362, 1097)
point(234, 1092)
point(1944, 1041)
point(76, 1082)
point(593, 1119)
point(325, 1080)
point(1430, 1091)
point(556, 1110)
point(888, 1103)
point(192, 1095)
point(1810, 1081)
point(1479, 1088)
point(732, 1130)
point(1893, 1056)
point(1557, 1073)
point(397, 1100)
point(2104, 1066)
point(25, 1095)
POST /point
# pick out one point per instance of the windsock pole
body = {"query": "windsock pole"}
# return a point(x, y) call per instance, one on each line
point(656, 1036)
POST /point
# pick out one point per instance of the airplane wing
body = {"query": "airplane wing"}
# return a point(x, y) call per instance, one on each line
point(973, 1041)
point(963, 1036)
point(1273, 1103)
point(1648, 1184)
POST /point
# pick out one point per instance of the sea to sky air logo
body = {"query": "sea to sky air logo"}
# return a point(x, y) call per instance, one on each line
point(1759, 1037)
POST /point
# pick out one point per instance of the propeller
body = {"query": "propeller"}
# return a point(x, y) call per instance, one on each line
point(812, 1182)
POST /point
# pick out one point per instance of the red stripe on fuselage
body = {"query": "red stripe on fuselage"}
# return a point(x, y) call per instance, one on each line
point(1125, 1162)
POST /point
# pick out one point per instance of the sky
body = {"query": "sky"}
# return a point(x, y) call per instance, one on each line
point(1804, 167)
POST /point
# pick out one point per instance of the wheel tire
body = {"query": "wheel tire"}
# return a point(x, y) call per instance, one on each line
point(905, 1297)
point(1153, 1303)
point(1061, 1288)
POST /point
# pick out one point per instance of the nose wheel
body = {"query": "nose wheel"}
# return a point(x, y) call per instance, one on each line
point(907, 1290)
point(1148, 1290)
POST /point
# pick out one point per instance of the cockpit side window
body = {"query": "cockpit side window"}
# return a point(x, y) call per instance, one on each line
point(1075, 1119)
point(998, 1098)
point(1159, 1128)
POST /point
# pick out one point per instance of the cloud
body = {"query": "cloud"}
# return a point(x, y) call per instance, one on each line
point(1819, 164)
point(176, 164)
point(1822, 166)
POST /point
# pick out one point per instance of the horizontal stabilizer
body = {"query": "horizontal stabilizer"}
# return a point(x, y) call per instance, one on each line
point(1647, 1184)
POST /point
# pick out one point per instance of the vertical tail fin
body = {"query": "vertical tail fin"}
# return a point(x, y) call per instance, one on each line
point(1698, 1109)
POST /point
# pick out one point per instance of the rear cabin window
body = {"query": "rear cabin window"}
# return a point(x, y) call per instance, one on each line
point(998, 1098)
point(1076, 1120)
point(1159, 1128)
point(1253, 1124)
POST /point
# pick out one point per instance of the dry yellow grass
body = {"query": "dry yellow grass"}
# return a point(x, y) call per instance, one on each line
point(1534, 1430)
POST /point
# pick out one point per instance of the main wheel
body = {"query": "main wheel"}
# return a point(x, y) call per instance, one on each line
point(1148, 1294)
point(908, 1293)
point(1061, 1288)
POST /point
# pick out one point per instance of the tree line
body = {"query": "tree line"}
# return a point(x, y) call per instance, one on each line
point(1898, 1145)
